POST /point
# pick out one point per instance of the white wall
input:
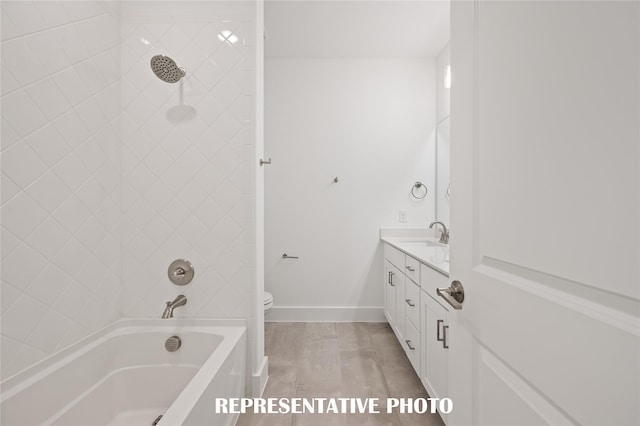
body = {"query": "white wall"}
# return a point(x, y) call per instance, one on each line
point(369, 122)
point(61, 270)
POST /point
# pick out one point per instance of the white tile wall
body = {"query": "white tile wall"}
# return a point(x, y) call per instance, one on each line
point(60, 160)
point(188, 158)
point(108, 174)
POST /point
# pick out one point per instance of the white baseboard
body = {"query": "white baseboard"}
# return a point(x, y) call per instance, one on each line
point(259, 379)
point(325, 314)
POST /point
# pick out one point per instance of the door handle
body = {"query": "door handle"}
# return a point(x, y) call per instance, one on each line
point(391, 279)
point(409, 345)
point(409, 302)
point(454, 295)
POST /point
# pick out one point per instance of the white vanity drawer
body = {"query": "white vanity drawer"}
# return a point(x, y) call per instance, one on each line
point(412, 300)
point(395, 256)
point(430, 280)
point(412, 269)
point(412, 346)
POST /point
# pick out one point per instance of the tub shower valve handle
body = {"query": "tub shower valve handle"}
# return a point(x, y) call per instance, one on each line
point(180, 272)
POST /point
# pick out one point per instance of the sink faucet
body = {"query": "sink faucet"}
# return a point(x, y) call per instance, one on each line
point(444, 236)
point(168, 311)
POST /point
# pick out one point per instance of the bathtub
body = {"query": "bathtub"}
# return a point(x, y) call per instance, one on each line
point(124, 376)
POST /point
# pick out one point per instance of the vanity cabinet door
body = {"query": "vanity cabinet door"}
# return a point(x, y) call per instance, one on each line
point(394, 303)
point(400, 304)
point(390, 280)
point(435, 338)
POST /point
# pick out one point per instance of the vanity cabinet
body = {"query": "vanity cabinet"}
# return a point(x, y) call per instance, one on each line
point(402, 277)
point(435, 341)
point(418, 319)
point(435, 335)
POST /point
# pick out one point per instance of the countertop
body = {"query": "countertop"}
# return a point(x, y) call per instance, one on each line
point(421, 244)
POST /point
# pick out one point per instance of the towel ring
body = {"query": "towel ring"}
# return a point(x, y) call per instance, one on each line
point(415, 190)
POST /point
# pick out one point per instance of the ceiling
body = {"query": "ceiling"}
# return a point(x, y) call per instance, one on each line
point(383, 28)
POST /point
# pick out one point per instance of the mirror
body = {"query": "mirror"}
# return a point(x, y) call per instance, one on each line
point(443, 188)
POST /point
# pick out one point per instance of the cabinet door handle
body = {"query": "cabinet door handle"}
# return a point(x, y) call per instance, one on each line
point(444, 336)
point(409, 302)
point(438, 323)
point(409, 345)
point(410, 268)
point(391, 279)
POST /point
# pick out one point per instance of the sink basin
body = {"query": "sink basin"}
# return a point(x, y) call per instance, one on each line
point(423, 244)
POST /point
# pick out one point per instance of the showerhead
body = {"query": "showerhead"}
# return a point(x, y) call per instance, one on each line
point(166, 69)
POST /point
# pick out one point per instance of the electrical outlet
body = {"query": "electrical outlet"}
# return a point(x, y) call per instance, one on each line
point(402, 216)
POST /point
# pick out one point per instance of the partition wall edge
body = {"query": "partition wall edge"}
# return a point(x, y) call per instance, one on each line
point(260, 361)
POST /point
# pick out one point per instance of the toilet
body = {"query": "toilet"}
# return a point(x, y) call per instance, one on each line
point(268, 301)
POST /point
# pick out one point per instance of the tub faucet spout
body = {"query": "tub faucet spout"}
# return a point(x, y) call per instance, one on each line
point(168, 310)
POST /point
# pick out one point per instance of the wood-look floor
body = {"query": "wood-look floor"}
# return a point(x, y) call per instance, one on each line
point(327, 360)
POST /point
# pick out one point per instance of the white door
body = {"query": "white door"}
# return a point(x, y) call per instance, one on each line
point(545, 232)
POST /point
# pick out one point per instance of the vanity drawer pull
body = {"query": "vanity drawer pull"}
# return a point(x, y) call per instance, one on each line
point(409, 302)
point(409, 345)
point(410, 268)
point(391, 279)
point(444, 336)
point(438, 323)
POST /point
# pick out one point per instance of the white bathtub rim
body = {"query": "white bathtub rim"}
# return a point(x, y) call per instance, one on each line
point(16, 383)
point(184, 403)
